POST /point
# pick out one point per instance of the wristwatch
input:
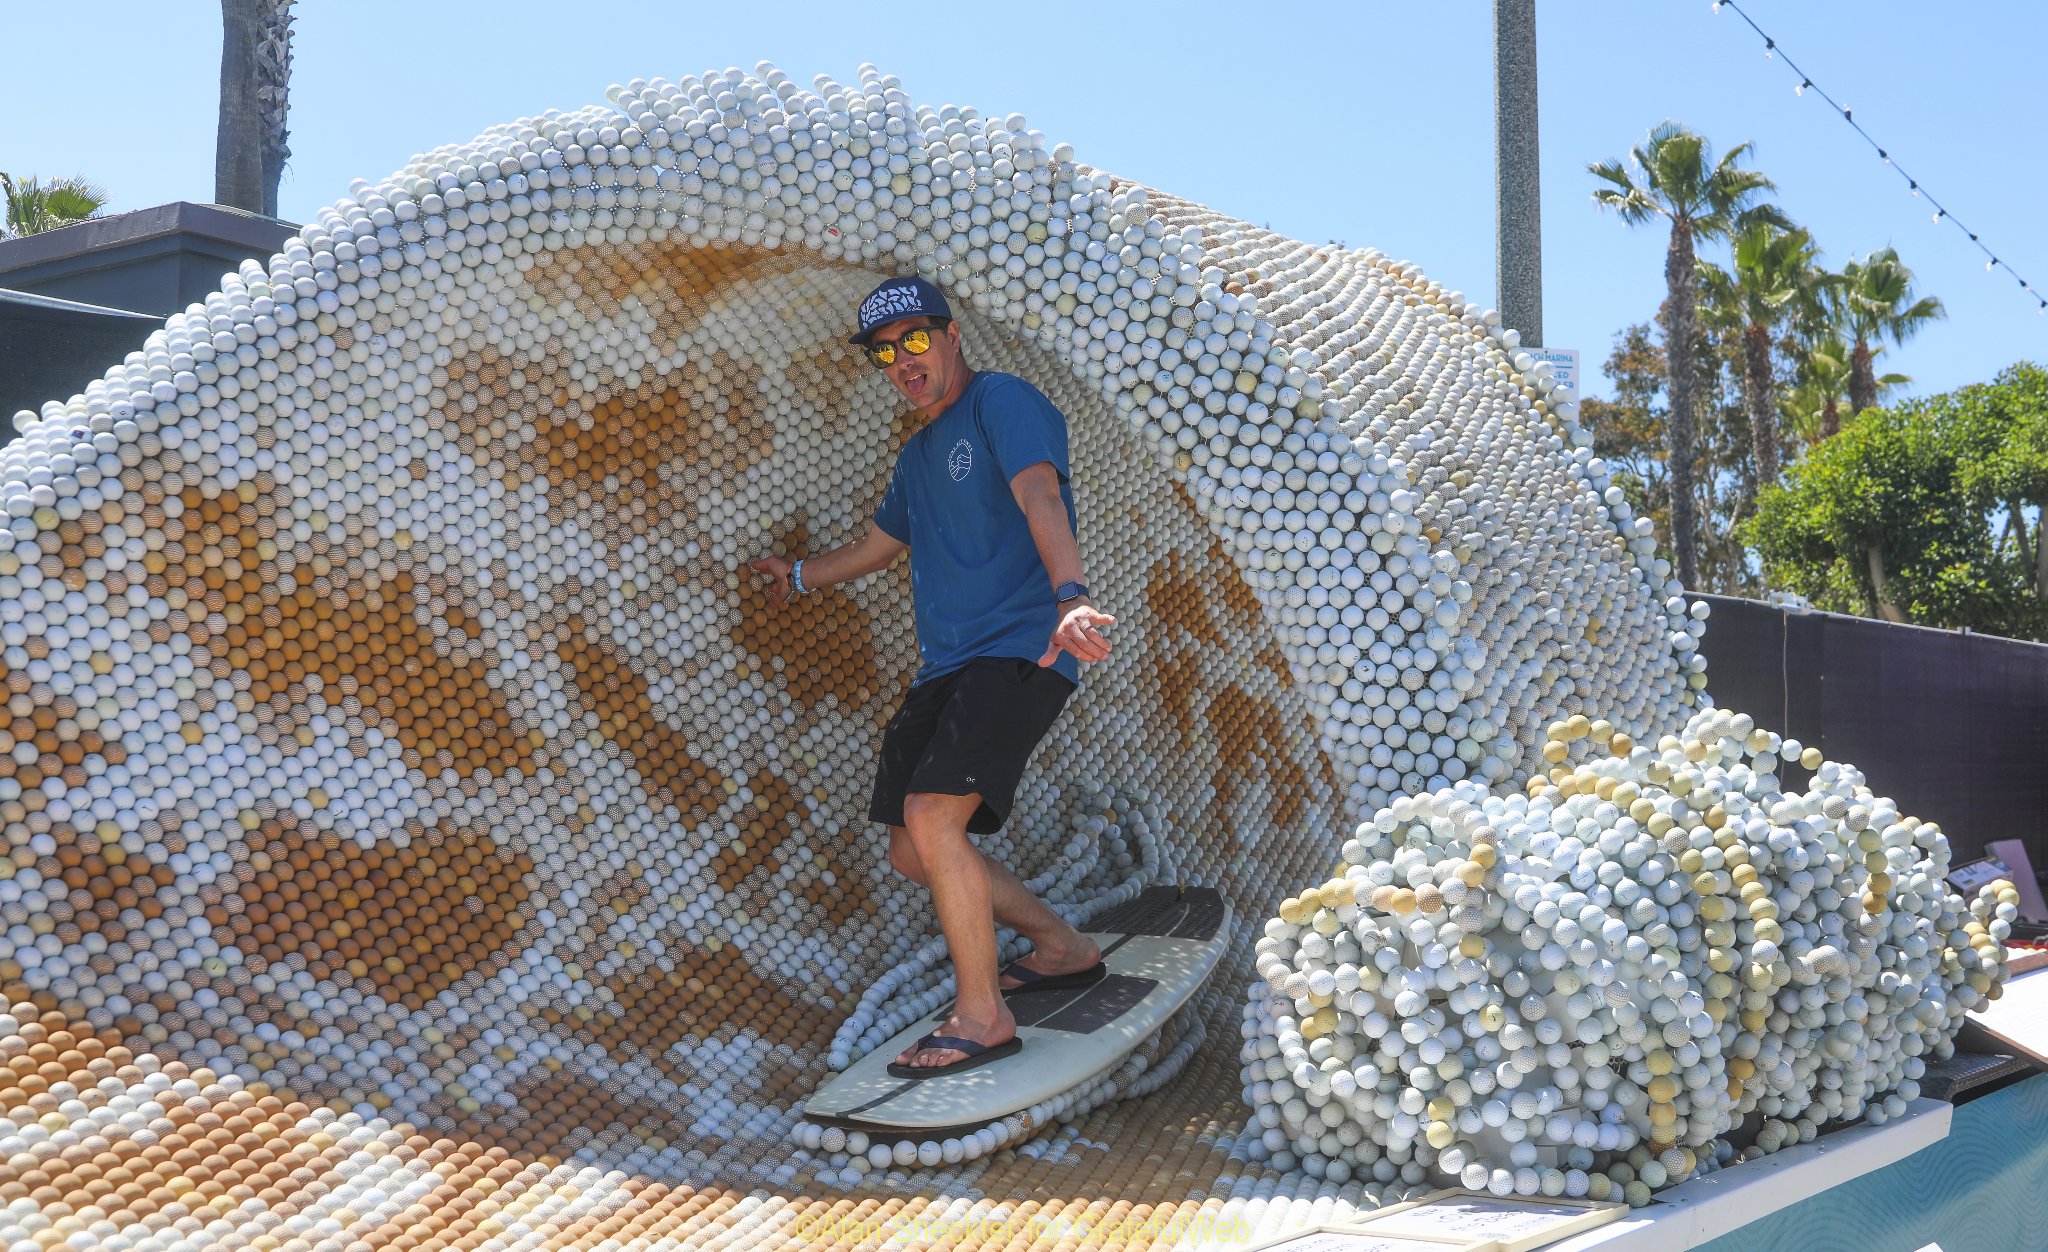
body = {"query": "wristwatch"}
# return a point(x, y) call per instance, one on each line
point(1068, 591)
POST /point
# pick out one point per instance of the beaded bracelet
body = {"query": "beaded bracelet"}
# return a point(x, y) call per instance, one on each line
point(796, 578)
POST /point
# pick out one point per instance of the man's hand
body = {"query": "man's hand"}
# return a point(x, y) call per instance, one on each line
point(872, 551)
point(1080, 632)
point(777, 569)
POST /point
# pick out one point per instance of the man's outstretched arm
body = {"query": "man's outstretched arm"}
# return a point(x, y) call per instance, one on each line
point(877, 549)
point(1037, 489)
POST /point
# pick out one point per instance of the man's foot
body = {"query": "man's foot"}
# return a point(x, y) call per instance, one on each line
point(974, 1056)
point(1076, 955)
point(989, 1031)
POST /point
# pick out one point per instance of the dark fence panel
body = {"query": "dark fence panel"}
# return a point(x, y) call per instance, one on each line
point(1952, 726)
point(50, 349)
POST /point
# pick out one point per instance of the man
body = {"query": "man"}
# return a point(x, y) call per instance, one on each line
point(980, 500)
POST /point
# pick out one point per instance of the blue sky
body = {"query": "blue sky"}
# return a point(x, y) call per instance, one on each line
point(1368, 123)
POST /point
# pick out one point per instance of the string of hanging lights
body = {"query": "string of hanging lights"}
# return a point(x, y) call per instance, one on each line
point(1941, 212)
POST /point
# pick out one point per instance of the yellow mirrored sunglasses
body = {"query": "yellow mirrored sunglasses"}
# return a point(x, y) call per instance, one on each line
point(915, 342)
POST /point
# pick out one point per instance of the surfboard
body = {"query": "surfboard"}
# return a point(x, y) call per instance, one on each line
point(1158, 947)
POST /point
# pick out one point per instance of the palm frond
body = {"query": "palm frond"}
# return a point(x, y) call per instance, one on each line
point(1623, 195)
point(1878, 299)
point(1925, 309)
point(1720, 297)
point(1673, 163)
point(34, 206)
point(73, 201)
point(1765, 214)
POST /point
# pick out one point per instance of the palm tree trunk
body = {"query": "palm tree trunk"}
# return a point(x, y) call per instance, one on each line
point(255, 67)
point(2041, 555)
point(1881, 596)
point(1830, 419)
point(238, 141)
point(1681, 333)
point(1760, 390)
point(273, 95)
point(1862, 378)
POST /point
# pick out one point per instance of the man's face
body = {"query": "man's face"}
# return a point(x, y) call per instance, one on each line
point(927, 378)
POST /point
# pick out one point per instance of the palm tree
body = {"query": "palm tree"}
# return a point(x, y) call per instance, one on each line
point(1674, 176)
point(255, 78)
point(1773, 280)
point(1814, 403)
point(34, 207)
point(1813, 406)
point(1878, 306)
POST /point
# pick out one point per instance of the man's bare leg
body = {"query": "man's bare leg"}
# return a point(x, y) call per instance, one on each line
point(963, 896)
point(1056, 947)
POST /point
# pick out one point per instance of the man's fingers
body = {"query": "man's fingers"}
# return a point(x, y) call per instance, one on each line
point(1063, 640)
point(1084, 645)
point(776, 581)
point(1081, 637)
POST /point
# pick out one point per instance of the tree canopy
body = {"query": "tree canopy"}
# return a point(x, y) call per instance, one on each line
point(1762, 354)
point(1926, 512)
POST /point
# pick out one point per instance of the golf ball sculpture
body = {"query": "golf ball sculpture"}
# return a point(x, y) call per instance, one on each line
point(419, 832)
point(1597, 986)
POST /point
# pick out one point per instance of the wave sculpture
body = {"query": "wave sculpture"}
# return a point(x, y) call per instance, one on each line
point(418, 833)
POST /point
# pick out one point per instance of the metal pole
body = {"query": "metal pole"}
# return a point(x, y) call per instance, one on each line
point(1518, 212)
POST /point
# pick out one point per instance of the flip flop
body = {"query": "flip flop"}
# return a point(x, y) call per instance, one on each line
point(1031, 980)
point(977, 1054)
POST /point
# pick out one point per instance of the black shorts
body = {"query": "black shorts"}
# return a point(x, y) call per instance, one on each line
point(970, 732)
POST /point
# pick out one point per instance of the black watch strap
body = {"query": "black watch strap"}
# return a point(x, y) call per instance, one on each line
point(1068, 591)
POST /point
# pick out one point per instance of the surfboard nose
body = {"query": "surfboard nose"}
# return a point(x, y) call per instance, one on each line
point(1159, 948)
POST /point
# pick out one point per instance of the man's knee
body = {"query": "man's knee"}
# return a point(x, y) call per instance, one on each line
point(928, 815)
point(903, 856)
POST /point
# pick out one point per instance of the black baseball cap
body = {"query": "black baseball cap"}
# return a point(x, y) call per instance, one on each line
point(896, 299)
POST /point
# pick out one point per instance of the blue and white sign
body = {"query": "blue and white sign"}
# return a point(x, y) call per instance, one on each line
point(1564, 366)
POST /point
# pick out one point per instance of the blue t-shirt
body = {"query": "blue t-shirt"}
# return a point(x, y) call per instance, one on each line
point(980, 587)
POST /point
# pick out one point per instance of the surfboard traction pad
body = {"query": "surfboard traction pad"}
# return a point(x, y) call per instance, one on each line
point(1166, 912)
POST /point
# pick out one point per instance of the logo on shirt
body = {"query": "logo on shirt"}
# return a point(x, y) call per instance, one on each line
point(960, 461)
